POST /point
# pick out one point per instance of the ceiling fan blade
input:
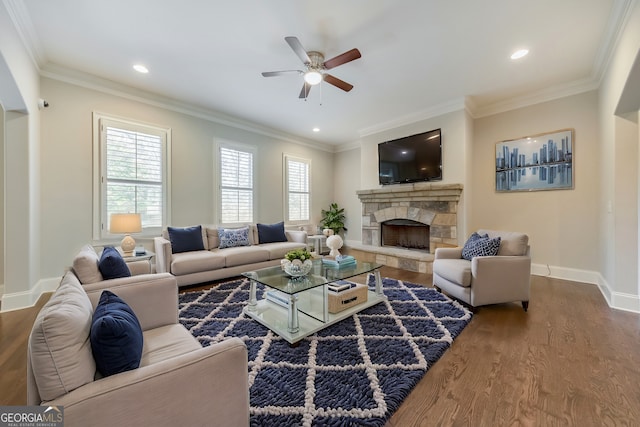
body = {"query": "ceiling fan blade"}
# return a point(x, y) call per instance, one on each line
point(298, 49)
point(304, 93)
point(340, 84)
point(348, 56)
point(280, 73)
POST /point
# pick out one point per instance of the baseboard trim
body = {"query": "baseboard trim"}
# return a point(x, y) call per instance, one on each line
point(617, 300)
point(24, 299)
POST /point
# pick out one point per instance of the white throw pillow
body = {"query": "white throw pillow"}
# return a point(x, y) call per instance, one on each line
point(85, 265)
point(59, 344)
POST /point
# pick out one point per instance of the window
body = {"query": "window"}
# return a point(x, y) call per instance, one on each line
point(236, 183)
point(297, 188)
point(133, 173)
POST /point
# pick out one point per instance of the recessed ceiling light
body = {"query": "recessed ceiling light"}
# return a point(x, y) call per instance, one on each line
point(316, 129)
point(141, 68)
point(519, 53)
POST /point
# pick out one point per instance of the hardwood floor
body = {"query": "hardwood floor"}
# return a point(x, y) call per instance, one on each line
point(570, 361)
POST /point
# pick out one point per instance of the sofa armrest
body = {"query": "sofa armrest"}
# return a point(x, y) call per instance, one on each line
point(163, 254)
point(448, 253)
point(152, 297)
point(208, 386)
point(298, 236)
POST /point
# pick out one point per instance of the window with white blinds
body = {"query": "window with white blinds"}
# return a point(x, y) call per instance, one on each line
point(133, 173)
point(297, 188)
point(236, 184)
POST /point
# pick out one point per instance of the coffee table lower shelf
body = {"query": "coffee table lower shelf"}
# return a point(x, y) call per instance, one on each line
point(275, 316)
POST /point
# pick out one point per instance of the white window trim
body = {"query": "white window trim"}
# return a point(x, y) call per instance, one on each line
point(100, 235)
point(223, 143)
point(285, 183)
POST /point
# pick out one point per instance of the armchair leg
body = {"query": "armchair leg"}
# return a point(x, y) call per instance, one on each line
point(525, 305)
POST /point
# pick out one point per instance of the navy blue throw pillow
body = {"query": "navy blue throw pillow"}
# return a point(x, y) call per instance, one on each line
point(111, 264)
point(186, 239)
point(482, 247)
point(116, 336)
point(270, 233)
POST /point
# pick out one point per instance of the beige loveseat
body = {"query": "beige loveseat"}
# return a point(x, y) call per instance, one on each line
point(178, 382)
point(214, 263)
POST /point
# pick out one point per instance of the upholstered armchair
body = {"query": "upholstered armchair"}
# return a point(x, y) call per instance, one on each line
point(481, 280)
point(178, 382)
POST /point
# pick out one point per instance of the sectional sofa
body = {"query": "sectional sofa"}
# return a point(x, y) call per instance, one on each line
point(204, 253)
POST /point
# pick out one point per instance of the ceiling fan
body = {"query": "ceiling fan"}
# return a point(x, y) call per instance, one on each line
point(315, 67)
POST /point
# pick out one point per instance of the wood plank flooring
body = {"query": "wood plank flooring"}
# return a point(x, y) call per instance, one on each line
point(569, 361)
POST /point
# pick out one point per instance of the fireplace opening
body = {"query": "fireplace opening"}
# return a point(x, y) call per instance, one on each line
point(405, 233)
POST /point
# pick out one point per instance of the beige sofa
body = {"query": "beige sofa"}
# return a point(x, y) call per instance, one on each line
point(178, 382)
point(484, 280)
point(214, 263)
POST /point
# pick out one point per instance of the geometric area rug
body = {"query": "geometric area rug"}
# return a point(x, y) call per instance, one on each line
point(354, 373)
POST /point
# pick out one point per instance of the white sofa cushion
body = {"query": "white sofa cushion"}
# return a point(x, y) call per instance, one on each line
point(59, 342)
point(243, 255)
point(85, 265)
point(166, 342)
point(195, 262)
point(457, 271)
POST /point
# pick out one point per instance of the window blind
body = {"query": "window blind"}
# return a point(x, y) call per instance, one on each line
point(134, 175)
point(298, 190)
point(236, 178)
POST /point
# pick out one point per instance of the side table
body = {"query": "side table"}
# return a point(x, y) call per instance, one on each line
point(317, 240)
point(137, 264)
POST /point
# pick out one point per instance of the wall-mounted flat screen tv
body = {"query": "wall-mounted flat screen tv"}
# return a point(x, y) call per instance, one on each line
point(413, 158)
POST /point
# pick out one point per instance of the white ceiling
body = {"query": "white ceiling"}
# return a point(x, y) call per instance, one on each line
point(419, 57)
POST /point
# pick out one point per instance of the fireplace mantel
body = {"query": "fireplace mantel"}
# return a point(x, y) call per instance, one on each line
point(420, 191)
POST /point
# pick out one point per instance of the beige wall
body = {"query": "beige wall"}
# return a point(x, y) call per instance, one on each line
point(562, 224)
point(66, 151)
point(19, 93)
point(455, 151)
point(346, 183)
point(618, 150)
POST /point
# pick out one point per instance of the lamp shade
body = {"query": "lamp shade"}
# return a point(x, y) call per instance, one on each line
point(125, 223)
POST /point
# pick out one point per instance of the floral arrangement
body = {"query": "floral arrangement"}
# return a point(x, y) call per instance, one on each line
point(301, 254)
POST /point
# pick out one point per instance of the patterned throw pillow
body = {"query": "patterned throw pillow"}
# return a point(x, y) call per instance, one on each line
point(470, 242)
point(233, 237)
point(482, 247)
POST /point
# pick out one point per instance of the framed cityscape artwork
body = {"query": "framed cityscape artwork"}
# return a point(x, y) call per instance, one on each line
point(537, 162)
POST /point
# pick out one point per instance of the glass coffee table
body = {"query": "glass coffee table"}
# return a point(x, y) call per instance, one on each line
point(299, 306)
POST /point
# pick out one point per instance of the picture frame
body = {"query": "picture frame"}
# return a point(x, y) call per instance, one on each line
point(537, 162)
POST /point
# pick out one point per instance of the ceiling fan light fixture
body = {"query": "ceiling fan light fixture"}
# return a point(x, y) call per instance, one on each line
point(313, 77)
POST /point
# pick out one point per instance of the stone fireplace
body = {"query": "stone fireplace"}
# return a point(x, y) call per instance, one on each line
point(402, 225)
point(405, 233)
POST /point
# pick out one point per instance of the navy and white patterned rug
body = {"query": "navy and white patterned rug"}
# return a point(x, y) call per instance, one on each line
point(356, 372)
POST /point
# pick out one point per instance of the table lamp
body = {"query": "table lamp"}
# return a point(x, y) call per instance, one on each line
point(126, 223)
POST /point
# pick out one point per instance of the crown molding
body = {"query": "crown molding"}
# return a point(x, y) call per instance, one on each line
point(26, 31)
point(89, 81)
point(435, 111)
point(548, 94)
point(618, 18)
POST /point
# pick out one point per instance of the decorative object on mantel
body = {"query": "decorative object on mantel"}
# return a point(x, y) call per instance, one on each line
point(536, 162)
point(126, 223)
point(334, 242)
point(333, 218)
point(297, 263)
point(356, 372)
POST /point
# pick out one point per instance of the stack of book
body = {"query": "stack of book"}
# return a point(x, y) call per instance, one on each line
point(341, 261)
point(340, 286)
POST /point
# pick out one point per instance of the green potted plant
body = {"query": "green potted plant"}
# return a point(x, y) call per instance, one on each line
point(333, 218)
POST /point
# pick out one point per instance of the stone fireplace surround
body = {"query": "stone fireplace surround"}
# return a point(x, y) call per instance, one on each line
point(435, 205)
